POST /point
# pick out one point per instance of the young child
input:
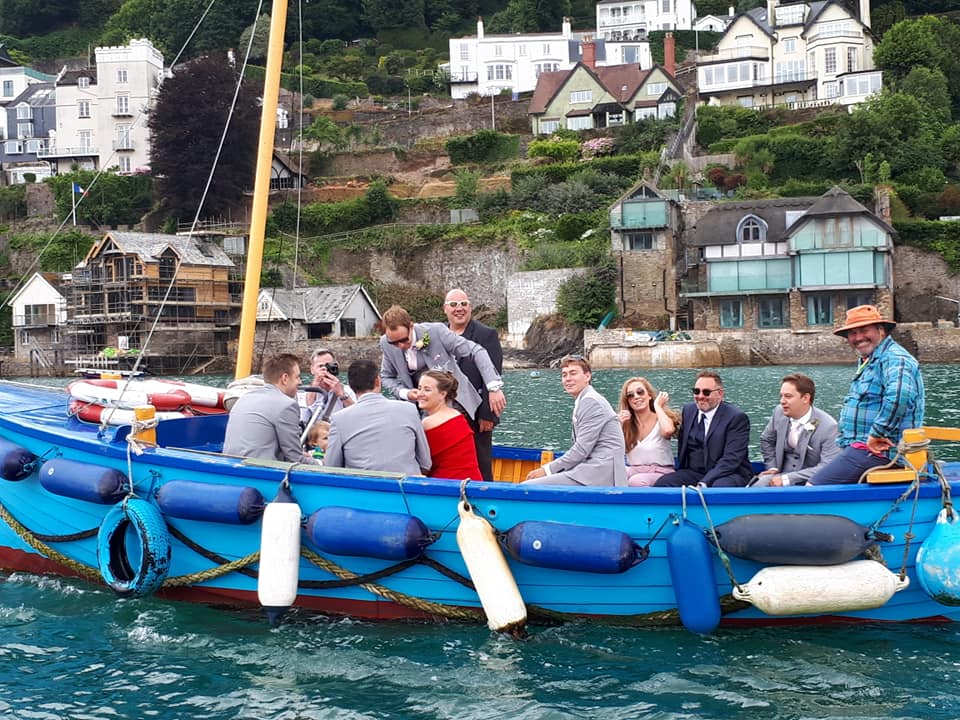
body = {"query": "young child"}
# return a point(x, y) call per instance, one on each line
point(317, 438)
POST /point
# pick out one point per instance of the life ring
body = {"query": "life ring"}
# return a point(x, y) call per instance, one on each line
point(200, 395)
point(133, 548)
point(99, 414)
point(117, 393)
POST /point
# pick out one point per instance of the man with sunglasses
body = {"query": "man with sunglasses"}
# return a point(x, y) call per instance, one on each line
point(411, 348)
point(714, 440)
point(459, 312)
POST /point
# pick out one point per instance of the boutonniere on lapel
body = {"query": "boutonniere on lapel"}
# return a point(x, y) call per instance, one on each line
point(811, 426)
point(423, 343)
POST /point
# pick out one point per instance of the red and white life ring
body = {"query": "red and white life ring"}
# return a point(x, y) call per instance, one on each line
point(200, 395)
point(119, 393)
point(99, 414)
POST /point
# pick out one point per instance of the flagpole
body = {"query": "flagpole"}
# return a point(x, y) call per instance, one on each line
point(73, 198)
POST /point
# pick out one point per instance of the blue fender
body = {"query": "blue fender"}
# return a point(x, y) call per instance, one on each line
point(694, 583)
point(938, 560)
point(133, 548)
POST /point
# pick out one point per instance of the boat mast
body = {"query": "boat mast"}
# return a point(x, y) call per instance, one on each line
point(261, 190)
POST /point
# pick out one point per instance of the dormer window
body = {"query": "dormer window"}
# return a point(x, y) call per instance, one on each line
point(83, 82)
point(751, 230)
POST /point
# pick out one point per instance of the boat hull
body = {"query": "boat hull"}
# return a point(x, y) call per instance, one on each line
point(216, 562)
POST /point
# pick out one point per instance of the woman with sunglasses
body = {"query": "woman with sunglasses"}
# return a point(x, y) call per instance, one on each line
point(648, 425)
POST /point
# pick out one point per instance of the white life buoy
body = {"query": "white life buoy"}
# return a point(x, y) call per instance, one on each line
point(498, 591)
point(99, 414)
point(816, 589)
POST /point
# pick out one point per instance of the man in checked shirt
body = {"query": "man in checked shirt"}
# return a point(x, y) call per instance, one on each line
point(886, 397)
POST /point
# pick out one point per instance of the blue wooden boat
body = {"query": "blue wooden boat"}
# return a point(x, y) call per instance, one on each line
point(162, 511)
point(606, 552)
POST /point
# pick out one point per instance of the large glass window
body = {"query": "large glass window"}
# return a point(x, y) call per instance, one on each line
point(731, 314)
point(638, 241)
point(772, 312)
point(819, 310)
point(830, 60)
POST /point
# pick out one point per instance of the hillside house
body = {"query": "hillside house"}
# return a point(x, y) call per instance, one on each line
point(803, 54)
point(789, 263)
point(39, 311)
point(644, 227)
point(175, 287)
point(311, 313)
point(590, 96)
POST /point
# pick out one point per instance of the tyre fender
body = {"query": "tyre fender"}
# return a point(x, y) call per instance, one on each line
point(133, 548)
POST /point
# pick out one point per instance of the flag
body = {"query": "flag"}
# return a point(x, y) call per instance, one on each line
point(78, 189)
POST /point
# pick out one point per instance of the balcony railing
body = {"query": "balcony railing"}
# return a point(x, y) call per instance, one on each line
point(463, 77)
point(67, 152)
point(123, 145)
point(747, 51)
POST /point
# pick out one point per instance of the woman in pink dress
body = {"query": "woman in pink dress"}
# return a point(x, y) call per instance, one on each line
point(648, 425)
point(448, 432)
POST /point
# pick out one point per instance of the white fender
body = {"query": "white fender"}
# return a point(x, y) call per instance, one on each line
point(498, 591)
point(803, 589)
point(279, 558)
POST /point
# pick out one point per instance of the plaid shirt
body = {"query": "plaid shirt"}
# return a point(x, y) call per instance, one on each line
point(885, 398)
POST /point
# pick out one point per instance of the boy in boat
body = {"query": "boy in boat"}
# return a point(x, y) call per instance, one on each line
point(886, 397)
point(265, 422)
point(800, 439)
point(597, 455)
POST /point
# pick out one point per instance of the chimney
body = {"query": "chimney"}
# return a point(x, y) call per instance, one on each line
point(731, 11)
point(881, 196)
point(771, 15)
point(670, 54)
point(588, 50)
point(865, 12)
point(479, 28)
point(567, 29)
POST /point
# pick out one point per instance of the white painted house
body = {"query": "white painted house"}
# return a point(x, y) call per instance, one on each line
point(803, 54)
point(102, 110)
point(39, 316)
point(317, 312)
point(619, 20)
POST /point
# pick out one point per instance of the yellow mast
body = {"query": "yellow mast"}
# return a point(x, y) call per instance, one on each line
point(261, 190)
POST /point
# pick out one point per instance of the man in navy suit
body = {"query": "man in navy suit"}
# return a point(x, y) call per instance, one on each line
point(460, 320)
point(714, 439)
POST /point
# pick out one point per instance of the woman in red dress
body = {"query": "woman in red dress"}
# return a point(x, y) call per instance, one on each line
point(448, 432)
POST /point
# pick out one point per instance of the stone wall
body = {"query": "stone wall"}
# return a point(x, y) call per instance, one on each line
point(530, 295)
point(919, 276)
point(40, 201)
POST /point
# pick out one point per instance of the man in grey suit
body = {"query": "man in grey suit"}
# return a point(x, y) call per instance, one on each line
point(597, 455)
point(265, 422)
point(376, 433)
point(799, 439)
point(409, 349)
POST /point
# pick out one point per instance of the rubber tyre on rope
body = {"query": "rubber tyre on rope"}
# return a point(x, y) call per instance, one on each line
point(133, 548)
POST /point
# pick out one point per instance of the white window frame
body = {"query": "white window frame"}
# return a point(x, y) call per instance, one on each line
point(83, 108)
point(123, 161)
point(580, 122)
point(123, 104)
point(581, 96)
point(851, 59)
point(85, 138)
point(122, 75)
point(830, 61)
point(83, 82)
point(548, 127)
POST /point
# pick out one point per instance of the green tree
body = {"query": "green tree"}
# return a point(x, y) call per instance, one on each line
point(187, 124)
point(326, 19)
point(326, 132)
point(383, 15)
point(585, 299)
point(261, 38)
point(930, 87)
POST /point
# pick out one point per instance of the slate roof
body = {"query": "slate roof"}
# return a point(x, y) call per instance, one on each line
point(36, 95)
point(150, 246)
point(623, 82)
point(70, 77)
point(719, 225)
point(322, 304)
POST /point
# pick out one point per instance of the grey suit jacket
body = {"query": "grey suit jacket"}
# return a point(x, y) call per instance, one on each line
point(377, 433)
point(815, 448)
point(597, 455)
point(265, 423)
point(443, 351)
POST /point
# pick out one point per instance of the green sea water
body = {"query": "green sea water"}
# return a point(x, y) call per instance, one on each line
point(73, 650)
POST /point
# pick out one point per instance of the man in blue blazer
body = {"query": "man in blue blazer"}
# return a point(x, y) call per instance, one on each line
point(714, 440)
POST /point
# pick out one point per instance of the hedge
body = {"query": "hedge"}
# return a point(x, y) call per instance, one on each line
point(483, 146)
point(315, 86)
point(630, 166)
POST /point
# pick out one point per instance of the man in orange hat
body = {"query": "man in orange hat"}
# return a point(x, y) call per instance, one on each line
point(885, 398)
